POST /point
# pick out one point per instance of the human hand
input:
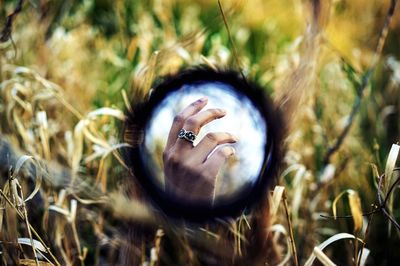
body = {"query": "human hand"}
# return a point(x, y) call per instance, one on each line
point(190, 171)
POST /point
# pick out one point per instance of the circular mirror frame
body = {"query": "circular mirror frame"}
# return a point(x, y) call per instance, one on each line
point(133, 134)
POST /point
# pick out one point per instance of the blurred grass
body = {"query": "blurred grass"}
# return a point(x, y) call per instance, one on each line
point(93, 50)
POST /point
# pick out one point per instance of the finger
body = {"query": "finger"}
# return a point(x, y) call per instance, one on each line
point(217, 159)
point(210, 142)
point(195, 122)
point(181, 117)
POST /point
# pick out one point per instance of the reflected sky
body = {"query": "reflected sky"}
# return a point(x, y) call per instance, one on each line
point(242, 119)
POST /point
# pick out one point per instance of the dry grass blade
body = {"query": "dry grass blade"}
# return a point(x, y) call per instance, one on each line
point(103, 199)
point(209, 233)
point(128, 209)
point(128, 105)
point(276, 199)
point(78, 148)
point(28, 226)
point(148, 72)
point(299, 185)
point(355, 207)
point(329, 241)
point(60, 210)
point(356, 212)
point(38, 171)
point(155, 251)
point(28, 262)
point(376, 174)
point(16, 194)
point(103, 152)
point(322, 257)
point(106, 111)
point(388, 178)
point(235, 54)
point(20, 162)
point(71, 220)
point(18, 204)
point(231, 226)
point(362, 260)
point(27, 241)
point(27, 138)
point(291, 234)
point(334, 203)
point(280, 229)
point(390, 165)
point(41, 118)
point(210, 64)
point(70, 216)
point(84, 129)
point(328, 173)
point(21, 215)
point(3, 205)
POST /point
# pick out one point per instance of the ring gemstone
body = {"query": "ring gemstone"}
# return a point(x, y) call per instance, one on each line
point(187, 135)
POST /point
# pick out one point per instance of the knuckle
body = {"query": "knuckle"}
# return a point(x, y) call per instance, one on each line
point(196, 103)
point(179, 118)
point(226, 151)
point(213, 137)
point(221, 152)
point(189, 168)
point(228, 136)
point(192, 122)
point(214, 112)
point(173, 160)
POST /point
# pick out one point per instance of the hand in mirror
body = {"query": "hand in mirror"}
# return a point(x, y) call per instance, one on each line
point(191, 171)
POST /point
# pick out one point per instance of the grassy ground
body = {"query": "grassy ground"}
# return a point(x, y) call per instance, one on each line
point(68, 67)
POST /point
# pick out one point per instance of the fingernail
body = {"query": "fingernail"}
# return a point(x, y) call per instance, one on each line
point(235, 138)
point(222, 111)
point(203, 99)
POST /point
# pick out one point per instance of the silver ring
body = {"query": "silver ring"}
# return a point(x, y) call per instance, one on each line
point(187, 135)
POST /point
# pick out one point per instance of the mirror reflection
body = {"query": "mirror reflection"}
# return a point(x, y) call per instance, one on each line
point(228, 151)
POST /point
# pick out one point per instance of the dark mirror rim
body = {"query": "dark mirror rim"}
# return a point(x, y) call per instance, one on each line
point(142, 112)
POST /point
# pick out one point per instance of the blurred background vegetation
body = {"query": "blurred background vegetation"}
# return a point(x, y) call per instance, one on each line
point(68, 69)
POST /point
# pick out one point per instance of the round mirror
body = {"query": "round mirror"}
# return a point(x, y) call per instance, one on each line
point(203, 143)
